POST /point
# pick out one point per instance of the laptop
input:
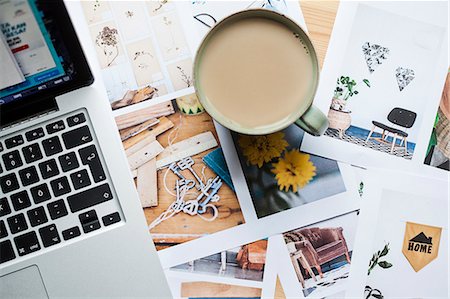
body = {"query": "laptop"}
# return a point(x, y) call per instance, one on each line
point(71, 224)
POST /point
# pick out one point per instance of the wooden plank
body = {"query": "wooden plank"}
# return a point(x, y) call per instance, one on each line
point(174, 238)
point(144, 155)
point(146, 184)
point(188, 147)
point(319, 17)
point(137, 117)
point(279, 292)
point(163, 125)
point(133, 131)
point(198, 289)
point(140, 145)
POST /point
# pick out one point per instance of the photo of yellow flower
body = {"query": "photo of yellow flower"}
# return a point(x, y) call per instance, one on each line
point(280, 177)
point(262, 149)
point(294, 170)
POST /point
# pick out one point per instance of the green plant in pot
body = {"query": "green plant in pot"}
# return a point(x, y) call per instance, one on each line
point(345, 89)
point(338, 116)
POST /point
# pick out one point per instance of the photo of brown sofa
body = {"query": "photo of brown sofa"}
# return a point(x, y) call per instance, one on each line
point(319, 245)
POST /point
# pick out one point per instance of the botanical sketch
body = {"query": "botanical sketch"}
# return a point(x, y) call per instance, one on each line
point(170, 36)
point(157, 7)
point(145, 65)
point(95, 10)
point(107, 43)
point(181, 74)
point(131, 19)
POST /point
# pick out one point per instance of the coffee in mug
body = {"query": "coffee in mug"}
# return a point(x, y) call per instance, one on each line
point(255, 73)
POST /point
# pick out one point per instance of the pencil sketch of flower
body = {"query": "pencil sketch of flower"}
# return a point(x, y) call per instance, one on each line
point(168, 22)
point(96, 5)
point(161, 5)
point(295, 170)
point(184, 77)
point(129, 14)
point(139, 55)
point(107, 40)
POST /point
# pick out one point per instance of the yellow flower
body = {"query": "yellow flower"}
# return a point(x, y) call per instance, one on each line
point(294, 170)
point(262, 149)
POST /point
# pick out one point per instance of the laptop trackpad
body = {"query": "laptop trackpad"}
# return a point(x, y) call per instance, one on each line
point(25, 283)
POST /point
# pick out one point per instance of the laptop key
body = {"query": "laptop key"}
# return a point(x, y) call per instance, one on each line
point(32, 153)
point(14, 141)
point(40, 193)
point(12, 160)
point(89, 198)
point(77, 137)
point(76, 119)
point(37, 216)
point(71, 233)
point(9, 183)
point(20, 200)
point(89, 156)
point(49, 235)
point(60, 186)
point(27, 243)
point(3, 232)
point(6, 252)
point(68, 161)
point(48, 169)
point(34, 134)
point(28, 176)
point(80, 179)
point(55, 127)
point(17, 223)
point(89, 221)
point(52, 146)
point(4, 207)
point(111, 218)
point(57, 209)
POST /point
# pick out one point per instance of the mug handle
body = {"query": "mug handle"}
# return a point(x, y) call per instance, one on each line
point(313, 121)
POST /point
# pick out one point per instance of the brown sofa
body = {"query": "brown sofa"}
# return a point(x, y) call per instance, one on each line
point(319, 245)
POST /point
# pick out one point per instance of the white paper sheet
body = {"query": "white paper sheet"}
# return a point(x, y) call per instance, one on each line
point(415, 33)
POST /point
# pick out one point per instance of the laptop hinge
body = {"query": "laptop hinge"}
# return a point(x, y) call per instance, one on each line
point(18, 114)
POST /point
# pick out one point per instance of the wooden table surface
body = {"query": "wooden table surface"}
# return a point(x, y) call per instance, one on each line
point(319, 17)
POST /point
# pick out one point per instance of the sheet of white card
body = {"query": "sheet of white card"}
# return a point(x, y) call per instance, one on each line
point(393, 199)
point(381, 23)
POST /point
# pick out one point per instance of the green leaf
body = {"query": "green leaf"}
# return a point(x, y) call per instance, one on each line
point(378, 296)
point(385, 250)
point(384, 264)
point(356, 92)
point(367, 82)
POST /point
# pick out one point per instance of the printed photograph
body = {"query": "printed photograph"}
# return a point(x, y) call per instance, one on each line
point(280, 177)
point(409, 242)
point(180, 172)
point(245, 262)
point(438, 153)
point(321, 253)
point(141, 48)
point(379, 97)
point(189, 287)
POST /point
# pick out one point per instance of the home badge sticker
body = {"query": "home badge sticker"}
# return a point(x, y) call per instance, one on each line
point(421, 244)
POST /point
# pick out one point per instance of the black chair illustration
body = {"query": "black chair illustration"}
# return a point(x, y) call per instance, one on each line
point(400, 117)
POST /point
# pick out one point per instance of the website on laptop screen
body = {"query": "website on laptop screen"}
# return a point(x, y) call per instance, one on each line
point(36, 57)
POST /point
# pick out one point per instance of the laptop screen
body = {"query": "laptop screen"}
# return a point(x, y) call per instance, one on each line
point(33, 55)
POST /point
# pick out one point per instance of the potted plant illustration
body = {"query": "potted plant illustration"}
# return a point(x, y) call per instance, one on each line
point(339, 116)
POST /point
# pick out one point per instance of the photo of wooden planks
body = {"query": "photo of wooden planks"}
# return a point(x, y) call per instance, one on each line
point(153, 138)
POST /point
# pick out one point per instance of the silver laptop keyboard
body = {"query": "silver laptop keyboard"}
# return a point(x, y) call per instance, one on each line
point(54, 187)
